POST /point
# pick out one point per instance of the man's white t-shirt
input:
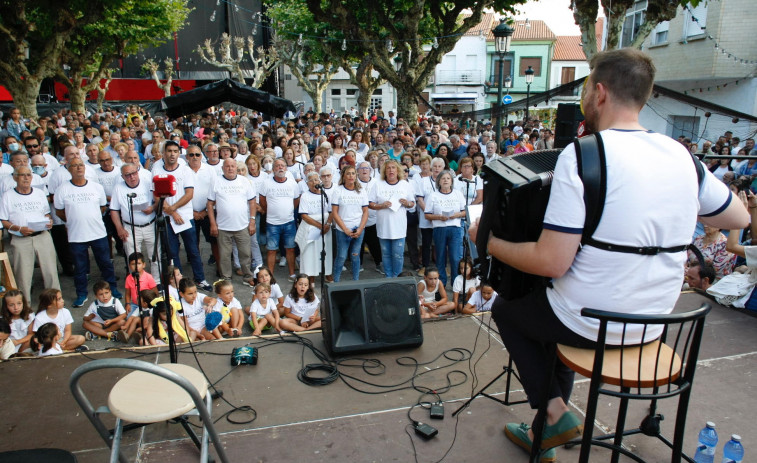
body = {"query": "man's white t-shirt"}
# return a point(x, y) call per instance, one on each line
point(60, 176)
point(82, 204)
point(204, 178)
point(232, 202)
point(185, 179)
point(643, 207)
point(20, 209)
point(280, 200)
point(119, 201)
point(109, 179)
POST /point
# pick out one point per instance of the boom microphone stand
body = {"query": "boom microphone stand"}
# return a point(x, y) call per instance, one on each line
point(324, 199)
point(466, 245)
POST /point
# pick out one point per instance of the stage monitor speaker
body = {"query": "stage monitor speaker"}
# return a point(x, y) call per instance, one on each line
point(371, 315)
point(569, 116)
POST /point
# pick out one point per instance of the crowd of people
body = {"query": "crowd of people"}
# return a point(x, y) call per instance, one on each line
point(261, 194)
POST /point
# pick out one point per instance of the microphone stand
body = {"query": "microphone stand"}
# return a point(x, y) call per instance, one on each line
point(466, 247)
point(163, 263)
point(135, 273)
point(322, 193)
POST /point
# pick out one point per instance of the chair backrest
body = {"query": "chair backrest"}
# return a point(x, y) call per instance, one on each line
point(678, 348)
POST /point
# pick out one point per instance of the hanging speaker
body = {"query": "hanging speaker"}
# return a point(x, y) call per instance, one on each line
point(371, 315)
point(569, 116)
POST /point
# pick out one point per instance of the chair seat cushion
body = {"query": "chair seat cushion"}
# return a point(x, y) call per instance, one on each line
point(660, 365)
point(142, 397)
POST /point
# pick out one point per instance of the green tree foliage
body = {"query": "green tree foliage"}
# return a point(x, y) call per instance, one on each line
point(410, 26)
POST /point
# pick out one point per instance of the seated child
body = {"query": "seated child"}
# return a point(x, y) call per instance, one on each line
point(264, 275)
point(173, 285)
point(158, 332)
point(138, 319)
point(263, 311)
point(7, 348)
point(229, 307)
point(471, 283)
point(46, 340)
point(196, 306)
point(482, 300)
point(146, 281)
point(301, 307)
point(432, 295)
point(105, 317)
point(52, 309)
point(15, 310)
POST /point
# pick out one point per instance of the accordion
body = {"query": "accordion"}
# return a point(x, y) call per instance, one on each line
point(516, 192)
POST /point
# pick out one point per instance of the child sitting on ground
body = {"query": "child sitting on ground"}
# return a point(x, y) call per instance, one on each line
point(105, 317)
point(46, 340)
point(432, 295)
point(263, 312)
point(229, 307)
point(196, 306)
point(465, 271)
point(482, 300)
point(301, 307)
point(146, 281)
point(175, 278)
point(264, 275)
point(52, 309)
point(15, 310)
point(7, 348)
point(158, 332)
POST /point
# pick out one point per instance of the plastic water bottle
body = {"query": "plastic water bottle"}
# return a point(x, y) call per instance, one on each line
point(708, 440)
point(733, 452)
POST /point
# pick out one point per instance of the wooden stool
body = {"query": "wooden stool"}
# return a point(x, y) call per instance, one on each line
point(151, 394)
point(9, 280)
point(656, 370)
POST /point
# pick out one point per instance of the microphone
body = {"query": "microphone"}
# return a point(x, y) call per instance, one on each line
point(467, 180)
point(164, 186)
point(131, 195)
point(319, 186)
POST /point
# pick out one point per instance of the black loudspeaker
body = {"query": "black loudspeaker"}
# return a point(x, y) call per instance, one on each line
point(569, 116)
point(371, 315)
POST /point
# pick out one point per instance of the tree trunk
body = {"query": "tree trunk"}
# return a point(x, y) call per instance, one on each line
point(364, 101)
point(77, 96)
point(407, 106)
point(25, 94)
point(317, 98)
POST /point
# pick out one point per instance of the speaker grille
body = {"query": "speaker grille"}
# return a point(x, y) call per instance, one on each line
point(391, 312)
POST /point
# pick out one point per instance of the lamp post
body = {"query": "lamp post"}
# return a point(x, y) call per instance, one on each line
point(502, 35)
point(529, 80)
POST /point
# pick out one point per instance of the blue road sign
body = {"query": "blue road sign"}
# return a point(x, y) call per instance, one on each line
point(507, 99)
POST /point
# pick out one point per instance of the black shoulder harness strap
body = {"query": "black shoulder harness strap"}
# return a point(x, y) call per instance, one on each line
point(592, 169)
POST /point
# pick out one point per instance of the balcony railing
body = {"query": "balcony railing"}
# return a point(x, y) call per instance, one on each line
point(464, 77)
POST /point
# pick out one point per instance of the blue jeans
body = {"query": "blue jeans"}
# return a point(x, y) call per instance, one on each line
point(448, 240)
point(80, 254)
point(392, 255)
point(344, 245)
point(189, 237)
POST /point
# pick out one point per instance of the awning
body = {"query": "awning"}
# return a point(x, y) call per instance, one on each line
point(454, 98)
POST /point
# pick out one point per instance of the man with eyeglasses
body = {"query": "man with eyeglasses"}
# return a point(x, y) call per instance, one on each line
point(80, 203)
point(19, 159)
point(19, 208)
point(213, 158)
point(204, 176)
point(141, 217)
point(279, 196)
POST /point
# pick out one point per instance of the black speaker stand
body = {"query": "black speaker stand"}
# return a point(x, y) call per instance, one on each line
point(507, 370)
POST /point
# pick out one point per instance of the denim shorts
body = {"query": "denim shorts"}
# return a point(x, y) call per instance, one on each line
point(274, 234)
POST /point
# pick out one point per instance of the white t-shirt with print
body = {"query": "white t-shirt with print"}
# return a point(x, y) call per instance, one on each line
point(232, 202)
point(424, 187)
point(119, 201)
point(302, 308)
point(20, 209)
point(109, 179)
point(445, 204)
point(392, 225)
point(310, 204)
point(368, 187)
point(280, 200)
point(84, 220)
point(351, 204)
point(185, 180)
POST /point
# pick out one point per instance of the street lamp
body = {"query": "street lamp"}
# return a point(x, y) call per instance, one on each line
point(529, 80)
point(502, 35)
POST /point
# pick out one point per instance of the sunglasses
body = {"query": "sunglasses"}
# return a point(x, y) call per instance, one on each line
point(194, 155)
point(32, 146)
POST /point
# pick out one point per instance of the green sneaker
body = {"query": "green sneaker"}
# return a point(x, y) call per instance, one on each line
point(567, 428)
point(518, 433)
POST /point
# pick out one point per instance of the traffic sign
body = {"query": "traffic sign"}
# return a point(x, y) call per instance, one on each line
point(507, 99)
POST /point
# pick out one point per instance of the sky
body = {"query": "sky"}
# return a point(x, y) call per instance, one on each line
point(556, 13)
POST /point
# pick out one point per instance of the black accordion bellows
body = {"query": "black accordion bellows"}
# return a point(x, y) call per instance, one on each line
point(516, 192)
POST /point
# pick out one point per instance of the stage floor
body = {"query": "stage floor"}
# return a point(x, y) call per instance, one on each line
point(297, 422)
